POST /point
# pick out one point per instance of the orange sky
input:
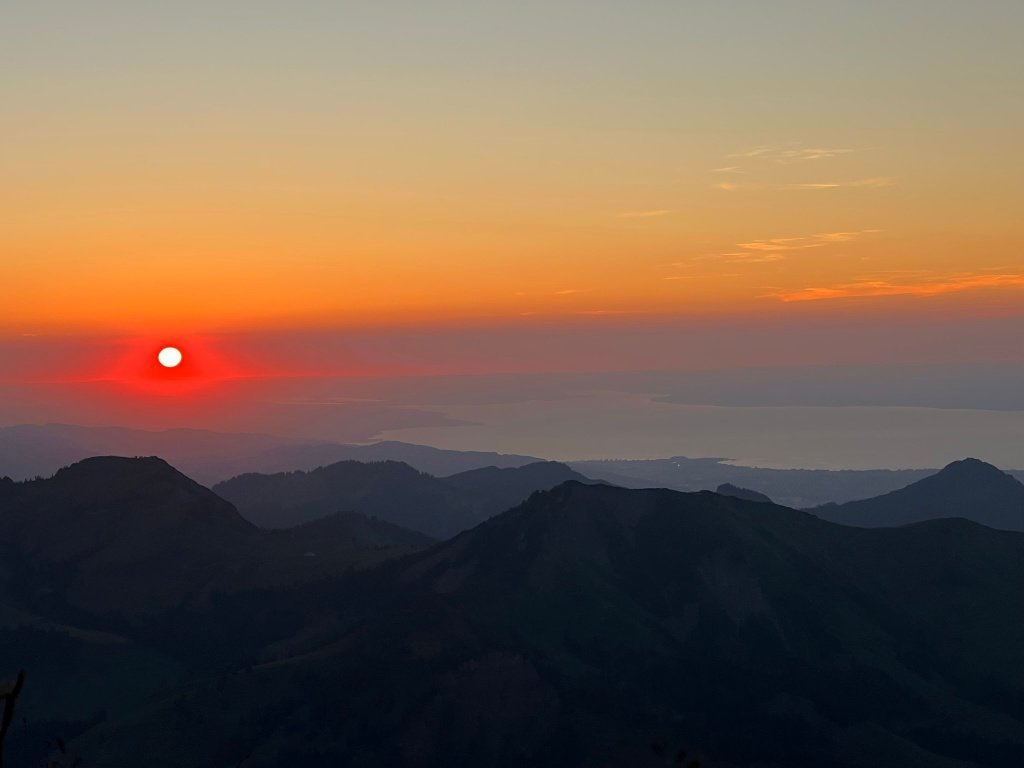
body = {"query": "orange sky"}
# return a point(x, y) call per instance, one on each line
point(256, 166)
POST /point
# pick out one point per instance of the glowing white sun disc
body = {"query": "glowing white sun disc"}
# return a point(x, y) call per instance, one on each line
point(169, 357)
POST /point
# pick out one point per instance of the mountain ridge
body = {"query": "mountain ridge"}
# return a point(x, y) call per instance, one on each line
point(967, 488)
point(38, 450)
point(436, 506)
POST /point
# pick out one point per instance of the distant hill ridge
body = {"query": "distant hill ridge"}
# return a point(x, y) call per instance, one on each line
point(728, 489)
point(38, 450)
point(392, 491)
point(209, 457)
point(969, 488)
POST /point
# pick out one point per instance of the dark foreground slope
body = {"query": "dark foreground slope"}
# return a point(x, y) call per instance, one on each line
point(436, 506)
point(970, 489)
point(592, 624)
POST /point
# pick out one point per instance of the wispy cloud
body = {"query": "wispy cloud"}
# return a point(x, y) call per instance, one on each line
point(613, 312)
point(568, 291)
point(872, 183)
point(753, 152)
point(643, 214)
point(803, 243)
point(936, 286)
point(782, 244)
point(767, 250)
point(791, 154)
point(844, 237)
point(812, 154)
point(876, 182)
point(749, 257)
point(728, 186)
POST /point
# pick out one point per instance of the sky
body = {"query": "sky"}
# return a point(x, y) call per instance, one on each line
point(307, 193)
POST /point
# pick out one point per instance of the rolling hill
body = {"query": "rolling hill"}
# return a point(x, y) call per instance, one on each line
point(391, 491)
point(970, 489)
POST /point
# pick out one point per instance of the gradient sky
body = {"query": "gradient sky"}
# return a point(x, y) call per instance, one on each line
point(550, 169)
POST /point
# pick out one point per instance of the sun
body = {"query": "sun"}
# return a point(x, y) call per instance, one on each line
point(170, 357)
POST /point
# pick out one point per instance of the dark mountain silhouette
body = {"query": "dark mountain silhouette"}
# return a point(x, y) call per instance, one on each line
point(28, 451)
point(501, 488)
point(39, 450)
point(392, 491)
point(797, 488)
point(592, 624)
point(728, 489)
point(115, 533)
point(135, 535)
point(970, 489)
point(435, 461)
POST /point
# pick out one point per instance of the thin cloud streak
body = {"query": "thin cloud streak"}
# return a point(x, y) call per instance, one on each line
point(873, 183)
point(877, 182)
point(781, 155)
point(769, 250)
point(802, 243)
point(923, 288)
point(644, 214)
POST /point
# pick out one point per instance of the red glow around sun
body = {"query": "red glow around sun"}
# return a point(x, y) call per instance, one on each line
point(151, 366)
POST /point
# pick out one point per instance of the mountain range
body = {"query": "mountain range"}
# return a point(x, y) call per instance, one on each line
point(39, 450)
point(587, 625)
point(392, 491)
point(35, 450)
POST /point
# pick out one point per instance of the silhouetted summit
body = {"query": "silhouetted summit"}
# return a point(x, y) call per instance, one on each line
point(970, 470)
point(147, 489)
point(728, 489)
point(140, 497)
point(120, 533)
point(969, 488)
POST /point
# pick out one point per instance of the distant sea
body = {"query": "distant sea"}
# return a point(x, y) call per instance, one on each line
point(606, 425)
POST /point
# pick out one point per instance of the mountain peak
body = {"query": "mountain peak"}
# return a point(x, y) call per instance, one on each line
point(968, 488)
point(970, 468)
point(119, 487)
point(109, 478)
point(107, 518)
point(125, 465)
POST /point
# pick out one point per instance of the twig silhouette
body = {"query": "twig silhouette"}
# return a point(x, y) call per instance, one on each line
point(9, 695)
